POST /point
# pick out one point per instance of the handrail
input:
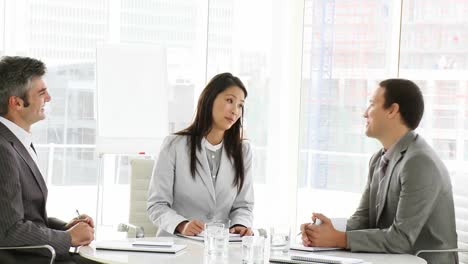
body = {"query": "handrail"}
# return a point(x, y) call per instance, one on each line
point(50, 248)
point(440, 250)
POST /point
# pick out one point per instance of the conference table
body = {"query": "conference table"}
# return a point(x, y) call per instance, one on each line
point(194, 253)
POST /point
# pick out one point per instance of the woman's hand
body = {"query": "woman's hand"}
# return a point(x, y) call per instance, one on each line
point(190, 228)
point(242, 230)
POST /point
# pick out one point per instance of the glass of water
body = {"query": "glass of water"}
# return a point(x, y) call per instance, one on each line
point(225, 222)
point(279, 240)
point(253, 250)
point(216, 239)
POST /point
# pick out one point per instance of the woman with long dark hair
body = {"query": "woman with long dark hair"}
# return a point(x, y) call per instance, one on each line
point(203, 172)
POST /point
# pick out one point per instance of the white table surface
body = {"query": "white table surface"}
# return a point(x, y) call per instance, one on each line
point(194, 253)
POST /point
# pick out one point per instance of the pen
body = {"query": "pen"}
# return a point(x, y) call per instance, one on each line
point(316, 222)
point(78, 217)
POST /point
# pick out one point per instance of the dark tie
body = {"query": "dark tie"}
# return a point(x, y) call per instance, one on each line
point(32, 146)
point(383, 166)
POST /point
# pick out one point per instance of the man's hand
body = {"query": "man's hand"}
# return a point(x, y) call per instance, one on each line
point(242, 230)
point(323, 235)
point(190, 228)
point(82, 218)
point(81, 234)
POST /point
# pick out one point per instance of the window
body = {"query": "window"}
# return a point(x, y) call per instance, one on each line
point(65, 36)
point(337, 64)
point(2, 27)
point(434, 50)
point(345, 54)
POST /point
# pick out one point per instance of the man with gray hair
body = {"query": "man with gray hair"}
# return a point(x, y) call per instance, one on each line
point(23, 191)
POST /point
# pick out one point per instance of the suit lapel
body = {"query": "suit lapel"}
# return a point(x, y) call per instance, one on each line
point(24, 154)
point(400, 150)
point(204, 171)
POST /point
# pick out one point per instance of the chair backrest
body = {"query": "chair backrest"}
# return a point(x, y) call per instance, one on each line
point(26, 258)
point(141, 171)
point(460, 194)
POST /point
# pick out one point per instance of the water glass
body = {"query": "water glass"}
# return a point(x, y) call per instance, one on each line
point(216, 238)
point(279, 240)
point(225, 222)
point(253, 250)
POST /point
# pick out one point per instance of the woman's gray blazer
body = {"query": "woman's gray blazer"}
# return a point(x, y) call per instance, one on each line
point(175, 196)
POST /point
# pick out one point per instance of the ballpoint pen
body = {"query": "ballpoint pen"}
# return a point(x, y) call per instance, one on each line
point(316, 222)
point(77, 217)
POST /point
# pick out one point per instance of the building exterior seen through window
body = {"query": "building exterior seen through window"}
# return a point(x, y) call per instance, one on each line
point(347, 48)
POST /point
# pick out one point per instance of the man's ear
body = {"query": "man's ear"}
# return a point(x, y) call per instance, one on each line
point(394, 110)
point(14, 102)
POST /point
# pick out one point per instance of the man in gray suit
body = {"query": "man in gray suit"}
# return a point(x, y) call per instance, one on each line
point(23, 192)
point(407, 204)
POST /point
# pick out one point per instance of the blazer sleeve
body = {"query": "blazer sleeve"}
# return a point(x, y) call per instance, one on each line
point(242, 208)
point(14, 229)
point(421, 185)
point(160, 193)
point(360, 218)
point(56, 223)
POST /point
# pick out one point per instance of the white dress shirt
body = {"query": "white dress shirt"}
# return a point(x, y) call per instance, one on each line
point(23, 136)
point(213, 154)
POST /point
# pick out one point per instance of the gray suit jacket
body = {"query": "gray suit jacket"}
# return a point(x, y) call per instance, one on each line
point(23, 196)
point(414, 209)
point(174, 196)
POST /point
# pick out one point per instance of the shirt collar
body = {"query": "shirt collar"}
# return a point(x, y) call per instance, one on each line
point(388, 154)
point(210, 146)
point(23, 136)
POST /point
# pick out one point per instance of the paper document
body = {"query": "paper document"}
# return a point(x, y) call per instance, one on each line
point(126, 245)
point(152, 243)
point(325, 259)
point(200, 237)
point(294, 259)
point(202, 234)
point(312, 249)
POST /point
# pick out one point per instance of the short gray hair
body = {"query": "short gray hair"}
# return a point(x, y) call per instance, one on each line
point(16, 74)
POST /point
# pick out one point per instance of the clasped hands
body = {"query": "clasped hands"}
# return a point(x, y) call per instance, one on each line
point(195, 227)
point(81, 230)
point(322, 235)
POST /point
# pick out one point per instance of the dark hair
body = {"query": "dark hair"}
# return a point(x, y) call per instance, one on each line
point(16, 75)
point(203, 121)
point(409, 98)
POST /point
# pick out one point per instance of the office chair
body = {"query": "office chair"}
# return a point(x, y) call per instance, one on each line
point(139, 224)
point(51, 250)
point(458, 250)
point(460, 198)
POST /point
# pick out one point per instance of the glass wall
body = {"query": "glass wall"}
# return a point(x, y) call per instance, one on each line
point(347, 47)
point(434, 52)
point(201, 39)
point(345, 54)
point(65, 35)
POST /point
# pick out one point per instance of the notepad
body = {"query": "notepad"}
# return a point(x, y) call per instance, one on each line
point(312, 249)
point(325, 259)
point(232, 237)
point(152, 243)
point(202, 234)
point(287, 259)
point(125, 245)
